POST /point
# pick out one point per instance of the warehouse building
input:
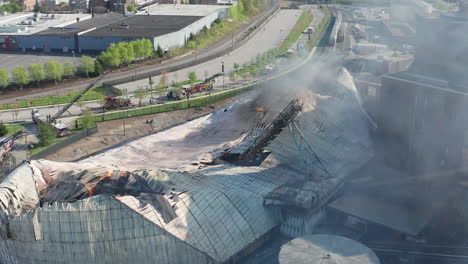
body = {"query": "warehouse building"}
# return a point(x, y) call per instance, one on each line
point(94, 34)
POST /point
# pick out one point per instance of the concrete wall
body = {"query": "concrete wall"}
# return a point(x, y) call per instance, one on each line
point(93, 43)
point(179, 38)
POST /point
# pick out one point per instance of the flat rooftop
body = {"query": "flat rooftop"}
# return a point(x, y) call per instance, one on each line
point(114, 24)
point(24, 24)
point(144, 26)
point(88, 24)
point(182, 10)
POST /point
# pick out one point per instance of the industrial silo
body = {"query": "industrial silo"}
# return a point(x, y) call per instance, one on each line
point(326, 249)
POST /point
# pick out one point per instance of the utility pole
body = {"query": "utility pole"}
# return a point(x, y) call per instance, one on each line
point(123, 120)
point(27, 147)
point(222, 70)
point(232, 47)
point(74, 58)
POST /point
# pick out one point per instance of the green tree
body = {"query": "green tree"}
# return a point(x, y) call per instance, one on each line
point(232, 76)
point(140, 94)
point(192, 76)
point(46, 133)
point(36, 73)
point(138, 48)
point(236, 66)
point(249, 7)
point(20, 76)
point(87, 65)
point(131, 8)
point(87, 121)
point(3, 129)
point(110, 58)
point(127, 54)
point(163, 79)
point(98, 68)
point(240, 8)
point(151, 82)
point(69, 69)
point(234, 12)
point(4, 78)
point(159, 52)
point(253, 71)
point(244, 75)
point(54, 70)
point(148, 50)
point(40, 8)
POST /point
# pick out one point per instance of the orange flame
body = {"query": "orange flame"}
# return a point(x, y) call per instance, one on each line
point(109, 174)
point(260, 109)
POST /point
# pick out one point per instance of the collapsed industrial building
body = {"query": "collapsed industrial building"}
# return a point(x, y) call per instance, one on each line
point(211, 190)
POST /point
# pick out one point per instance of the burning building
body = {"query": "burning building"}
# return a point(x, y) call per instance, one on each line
point(130, 204)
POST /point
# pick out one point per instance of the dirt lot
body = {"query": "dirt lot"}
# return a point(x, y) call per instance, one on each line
point(111, 133)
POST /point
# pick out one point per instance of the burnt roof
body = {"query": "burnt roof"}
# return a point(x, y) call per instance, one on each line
point(144, 26)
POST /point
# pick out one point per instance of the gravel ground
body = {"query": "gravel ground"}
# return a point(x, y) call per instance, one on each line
point(111, 133)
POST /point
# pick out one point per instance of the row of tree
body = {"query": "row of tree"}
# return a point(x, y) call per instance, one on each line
point(52, 70)
point(11, 7)
point(125, 53)
point(116, 55)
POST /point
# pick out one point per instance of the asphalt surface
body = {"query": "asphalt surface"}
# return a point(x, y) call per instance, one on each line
point(9, 61)
point(274, 32)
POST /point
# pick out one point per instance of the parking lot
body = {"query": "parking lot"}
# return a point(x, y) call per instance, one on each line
point(9, 61)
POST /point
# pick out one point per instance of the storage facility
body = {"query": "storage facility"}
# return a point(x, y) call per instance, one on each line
point(94, 33)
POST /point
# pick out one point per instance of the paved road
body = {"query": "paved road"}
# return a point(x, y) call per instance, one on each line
point(180, 61)
point(267, 38)
point(274, 32)
point(9, 61)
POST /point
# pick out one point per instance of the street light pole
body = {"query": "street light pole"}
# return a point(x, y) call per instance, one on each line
point(74, 58)
point(222, 70)
point(123, 120)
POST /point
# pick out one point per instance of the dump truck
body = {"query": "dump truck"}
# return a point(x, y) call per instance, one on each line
point(116, 102)
point(60, 128)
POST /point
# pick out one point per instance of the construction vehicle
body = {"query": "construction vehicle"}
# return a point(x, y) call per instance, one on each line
point(6, 145)
point(116, 102)
point(175, 93)
point(60, 128)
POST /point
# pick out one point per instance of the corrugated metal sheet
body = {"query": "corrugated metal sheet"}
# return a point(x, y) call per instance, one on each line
point(222, 211)
point(96, 230)
point(17, 193)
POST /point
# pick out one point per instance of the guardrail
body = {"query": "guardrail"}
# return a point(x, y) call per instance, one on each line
point(68, 141)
